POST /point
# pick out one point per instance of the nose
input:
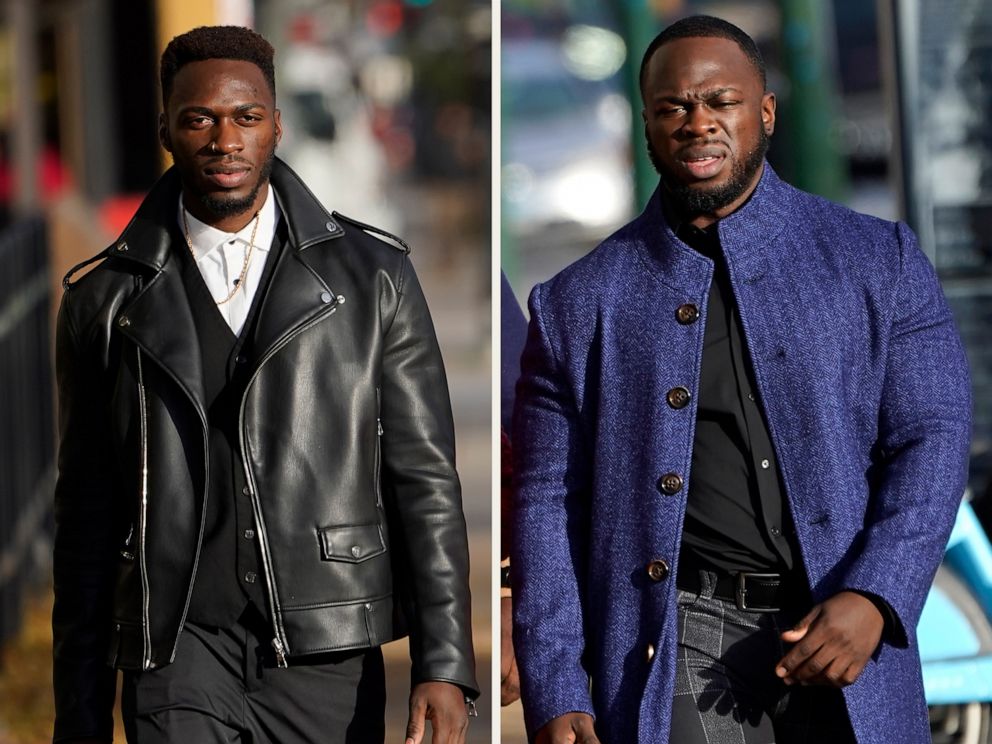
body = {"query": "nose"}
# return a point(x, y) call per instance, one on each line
point(699, 121)
point(227, 137)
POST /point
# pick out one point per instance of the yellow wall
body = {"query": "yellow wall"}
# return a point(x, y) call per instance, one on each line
point(178, 16)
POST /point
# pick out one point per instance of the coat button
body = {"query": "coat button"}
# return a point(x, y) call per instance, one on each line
point(670, 483)
point(657, 570)
point(123, 321)
point(678, 397)
point(687, 314)
point(249, 534)
point(649, 652)
point(246, 491)
point(122, 247)
point(325, 297)
point(250, 577)
point(356, 551)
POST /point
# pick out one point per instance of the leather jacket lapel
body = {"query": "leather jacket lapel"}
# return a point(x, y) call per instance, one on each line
point(297, 297)
point(160, 322)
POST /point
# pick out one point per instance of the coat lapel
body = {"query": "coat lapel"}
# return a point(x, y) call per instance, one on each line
point(299, 293)
point(158, 319)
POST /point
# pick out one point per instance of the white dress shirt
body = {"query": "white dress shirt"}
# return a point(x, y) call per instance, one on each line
point(220, 257)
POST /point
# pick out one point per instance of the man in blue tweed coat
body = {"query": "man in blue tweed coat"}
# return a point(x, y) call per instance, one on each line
point(742, 433)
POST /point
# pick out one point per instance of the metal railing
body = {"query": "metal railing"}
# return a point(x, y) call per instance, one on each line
point(27, 437)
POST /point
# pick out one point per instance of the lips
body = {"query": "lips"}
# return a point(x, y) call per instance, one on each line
point(702, 162)
point(227, 176)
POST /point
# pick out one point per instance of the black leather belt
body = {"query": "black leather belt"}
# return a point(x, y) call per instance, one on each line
point(752, 592)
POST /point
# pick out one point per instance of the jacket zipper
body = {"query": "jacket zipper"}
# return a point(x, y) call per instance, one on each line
point(146, 650)
point(142, 406)
point(378, 446)
point(279, 643)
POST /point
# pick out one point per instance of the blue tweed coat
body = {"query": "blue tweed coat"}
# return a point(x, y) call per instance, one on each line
point(865, 389)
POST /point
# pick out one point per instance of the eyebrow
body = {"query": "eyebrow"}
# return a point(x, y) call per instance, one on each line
point(705, 95)
point(243, 108)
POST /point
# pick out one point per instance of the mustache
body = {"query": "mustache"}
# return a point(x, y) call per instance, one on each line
point(226, 160)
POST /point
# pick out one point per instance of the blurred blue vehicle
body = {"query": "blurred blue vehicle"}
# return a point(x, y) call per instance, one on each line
point(955, 637)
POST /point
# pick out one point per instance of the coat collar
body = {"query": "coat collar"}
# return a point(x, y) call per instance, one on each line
point(147, 238)
point(159, 320)
point(747, 237)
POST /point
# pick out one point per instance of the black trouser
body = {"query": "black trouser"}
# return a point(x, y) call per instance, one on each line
point(726, 690)
point(224, 686)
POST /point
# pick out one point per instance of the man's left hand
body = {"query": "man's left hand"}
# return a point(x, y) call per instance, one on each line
point(833, 642)
point(441, 703)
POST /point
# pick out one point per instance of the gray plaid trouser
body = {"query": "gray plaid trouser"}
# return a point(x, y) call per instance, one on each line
point(726, 691)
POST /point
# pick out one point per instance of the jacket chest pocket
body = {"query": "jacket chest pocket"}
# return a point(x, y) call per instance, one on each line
point(351, 543)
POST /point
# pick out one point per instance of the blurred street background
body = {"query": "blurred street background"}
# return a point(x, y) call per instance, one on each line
point(386, 111)
point(885, 106)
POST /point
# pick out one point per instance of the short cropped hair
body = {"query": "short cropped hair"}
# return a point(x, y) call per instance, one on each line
point(702, 26)
point(216, 42)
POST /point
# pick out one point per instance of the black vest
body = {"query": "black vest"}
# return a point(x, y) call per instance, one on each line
point(229, 574)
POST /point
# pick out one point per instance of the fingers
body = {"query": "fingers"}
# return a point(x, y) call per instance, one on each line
point(417, 722)
point(832, 643)
point(571, 728)
point(509, 690)
point(441, 703)
point(799, 630)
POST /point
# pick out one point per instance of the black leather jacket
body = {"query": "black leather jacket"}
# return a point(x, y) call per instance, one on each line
point(348, 447)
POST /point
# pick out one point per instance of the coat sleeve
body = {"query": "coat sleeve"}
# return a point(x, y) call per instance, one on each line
point(551, 484)
point(922, 461)
point(84, 557)
point(423, 492)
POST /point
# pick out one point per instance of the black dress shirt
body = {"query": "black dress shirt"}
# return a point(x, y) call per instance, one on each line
point(737, 517)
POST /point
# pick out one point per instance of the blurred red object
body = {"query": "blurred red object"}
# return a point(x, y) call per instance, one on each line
point(117, 211)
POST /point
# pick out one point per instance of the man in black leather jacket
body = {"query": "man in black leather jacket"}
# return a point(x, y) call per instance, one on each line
point(256, 474)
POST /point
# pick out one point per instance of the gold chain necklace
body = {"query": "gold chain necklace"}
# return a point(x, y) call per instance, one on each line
point(240, 281)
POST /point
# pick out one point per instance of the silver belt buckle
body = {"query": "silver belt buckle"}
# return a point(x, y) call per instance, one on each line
point(740, 592)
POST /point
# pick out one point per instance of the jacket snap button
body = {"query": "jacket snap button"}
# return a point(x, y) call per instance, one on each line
point(331, 227)
point(123, 321)
point(325, 297)
point(670, 483)
point(657, 570)
point(249, 534)
point(678, 397)
point(246, 491)
point(122, 246)
point(687, 314)
point(250, 577)
point(356, 551)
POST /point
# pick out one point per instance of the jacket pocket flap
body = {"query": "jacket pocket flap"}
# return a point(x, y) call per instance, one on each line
point(352, 543)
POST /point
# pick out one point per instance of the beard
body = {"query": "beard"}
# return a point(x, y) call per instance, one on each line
point(220, 205)
point(695, 200)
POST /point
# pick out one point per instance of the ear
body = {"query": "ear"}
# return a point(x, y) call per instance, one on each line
point(768, 113)
point(277, 118)
point(163, 133)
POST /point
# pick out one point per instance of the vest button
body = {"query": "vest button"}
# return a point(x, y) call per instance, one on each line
point(670, 483)
point(658, 570)
point(687, 314)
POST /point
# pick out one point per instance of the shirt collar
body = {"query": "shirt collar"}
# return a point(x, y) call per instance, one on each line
point(205, 239)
